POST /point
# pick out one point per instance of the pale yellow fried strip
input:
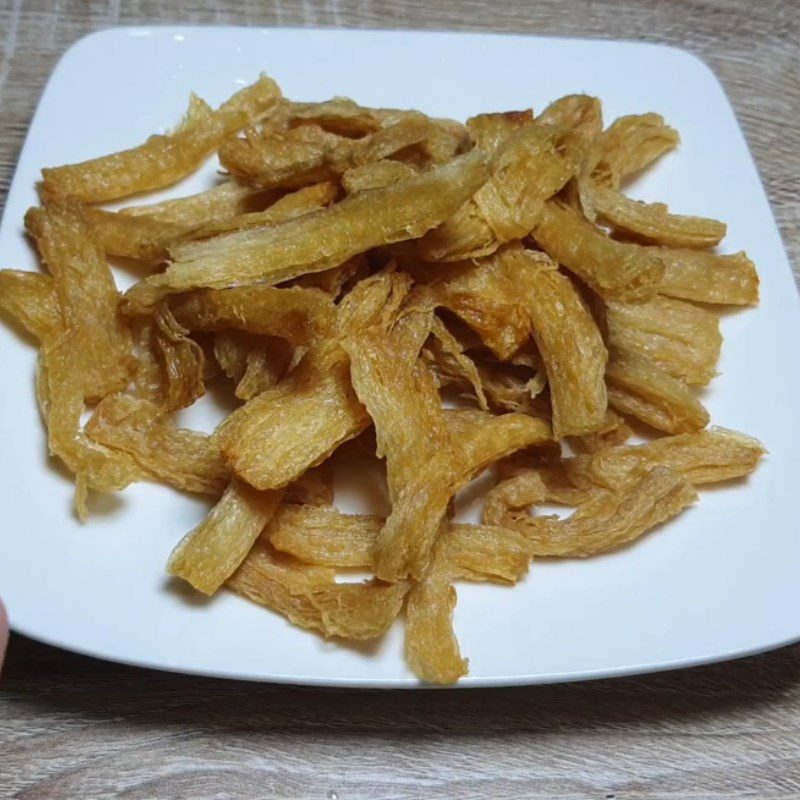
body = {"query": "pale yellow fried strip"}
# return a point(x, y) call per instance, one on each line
point(208, 555)
point(681, 338)
point(466, 366)
point(431, 646)
point(182, 361)
point(162, 160)
point(189, 460)
point(568, 339)
point(580, 112)
point(309, 597)
point(520, 491)
point(611, 519)
point(376, 175)
point(652, 221)
point(709, 278)
point(709, 456)
point(320, 240)
point(639, 388)
point(616, 271)
point(489, 131)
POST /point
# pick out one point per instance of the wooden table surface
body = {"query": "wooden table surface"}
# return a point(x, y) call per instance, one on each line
point(72, 727)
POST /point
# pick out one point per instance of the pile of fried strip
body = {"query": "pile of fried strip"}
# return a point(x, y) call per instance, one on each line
point(445, 298)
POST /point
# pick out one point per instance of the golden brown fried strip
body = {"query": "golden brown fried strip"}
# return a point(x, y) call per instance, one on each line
point(682, 339)
point(639, 388)
point(320, 240)
point(710, 456)
point(489, 131)
point(652, 221)
point(30, 298)
point(431, 646)
point(309, 597)
point(613, 433)
point(709, 278)
point(186, 459)
point(299, 315)
point(87, 296)
point(338, 115)
point(525, 171)
point(616, 271)
point(568, 340)
point(142, 238)
point(611, 519)
point(208, 555)
point(376, 175)
point(450, 347)
point(579, 112)
point(228, 199)
point(162, 160)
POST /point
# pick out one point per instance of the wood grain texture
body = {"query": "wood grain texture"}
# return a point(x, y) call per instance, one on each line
point(72, 727)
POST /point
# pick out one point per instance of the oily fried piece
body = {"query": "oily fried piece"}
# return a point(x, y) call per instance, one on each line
point(616, 271)
point(681, 338)
point(295, 204)
point(265, 365)
point(376, 175)
point(627, 146)
point(569, 342)
point(610, 519)
point(297, 314)
point(186, 459)
point(427, 461)
point(652, 221)
point(320, 240)
point(30, 298)
point(279, 434)
point(339, 115)
point(209, 554)
point(709, 278)
point(335, 280)
point(182, 360)
point(578, 112)
point(142, 238)
point(489, 131)
point(324, 536)
point(162, 160)
point(286, 159)
point(639, 388)
point(309, 597)
point(87, 296)
point(60, 389)
point(431, 646)
point(709, 456)
point(481, 293)
point(525, 171)
point(225, 200)
point(612, 433)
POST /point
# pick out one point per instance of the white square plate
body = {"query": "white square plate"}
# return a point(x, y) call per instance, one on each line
point(721, 581)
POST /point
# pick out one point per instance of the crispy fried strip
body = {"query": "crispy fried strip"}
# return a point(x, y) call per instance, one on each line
point(611, 519)
point(525, 171)
point(431, 646)
point(709, 456)
point(709, 278)
point(568, 339)
point(162, 160)
point(186, 459)
point(616, 271)
point(376, 175)
point(652, 221)
point(451, 347)
point(639, 388)
point(682, 339)
point(299, 315)
point(320, 240)
point(86, 294)
point(142, 238)
point(489, 131)
point(30, 298)
point(181, 358)
point(208, 555)
point(309, 597)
